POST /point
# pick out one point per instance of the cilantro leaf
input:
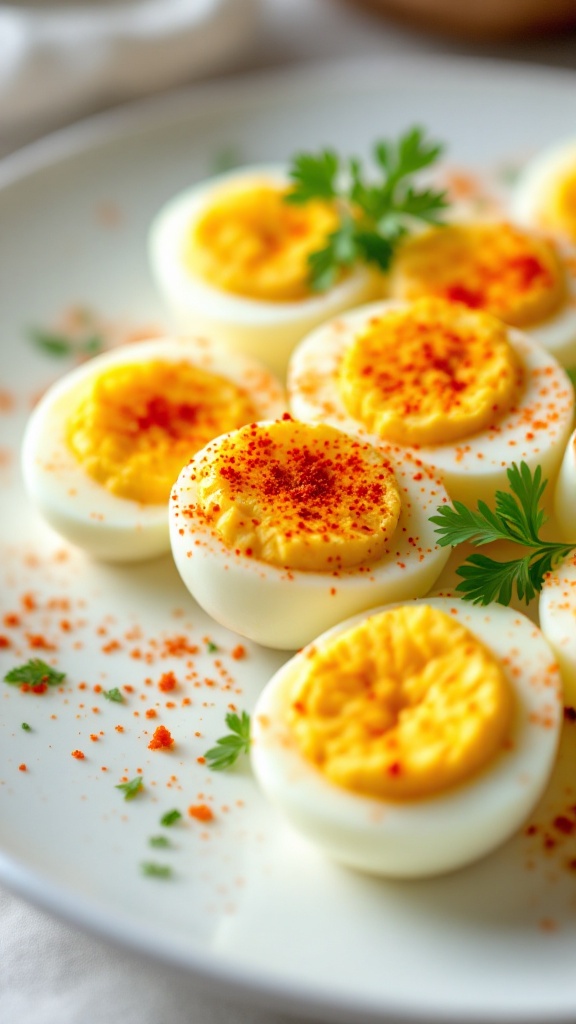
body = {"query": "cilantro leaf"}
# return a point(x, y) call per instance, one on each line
point(517, 517)
point(228, 748)
point(131, 788)
point(34, 672)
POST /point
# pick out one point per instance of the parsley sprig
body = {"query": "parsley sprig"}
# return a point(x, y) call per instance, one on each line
point(228, 748)
point(34, 672)
point(374, 215)
point(517, 517)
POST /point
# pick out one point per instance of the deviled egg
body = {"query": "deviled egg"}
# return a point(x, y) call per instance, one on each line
point(414, 740)
point(281, 529)
point(454, 387)
point(230, 255)
point(106, 442)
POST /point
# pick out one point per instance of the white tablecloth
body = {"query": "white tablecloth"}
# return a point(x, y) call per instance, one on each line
point(49, 972)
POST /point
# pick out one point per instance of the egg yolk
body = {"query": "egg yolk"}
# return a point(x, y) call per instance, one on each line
point(251, 242)
point(404, 705)
point(133, 427)
point(494, 267)
point(559, 206)
point(430, 373)
point(300, 496)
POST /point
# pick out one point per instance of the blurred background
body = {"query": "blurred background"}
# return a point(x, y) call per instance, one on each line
point(61, 59)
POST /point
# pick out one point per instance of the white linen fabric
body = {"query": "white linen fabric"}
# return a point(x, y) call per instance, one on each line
point(60, 60)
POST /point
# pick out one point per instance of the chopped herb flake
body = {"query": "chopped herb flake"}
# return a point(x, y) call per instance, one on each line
point(113, 694)
point(153, 870)
point(170, 818)
point(132, 788)
point(211, 647)
point(33, 673)
point(160, 842)
point(26, 727)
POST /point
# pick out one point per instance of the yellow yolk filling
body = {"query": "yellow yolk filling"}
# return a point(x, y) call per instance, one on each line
point(300, 496)
point(252, 243)
point(430, 373)
point(559, 206)
point(134, 427)
point(404, 705)
point(494, 267)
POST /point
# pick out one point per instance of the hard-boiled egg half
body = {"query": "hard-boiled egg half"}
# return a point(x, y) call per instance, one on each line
point(412, 741)
point(557, 611)
point(454, 387)
point(545, 193)
point(512, 273)
point(281, 529)
point(106, 442)
point(231, 257)
point(565, 493)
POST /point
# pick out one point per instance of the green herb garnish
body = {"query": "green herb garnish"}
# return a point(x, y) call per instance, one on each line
point(132, 788)
point(228, 748)
point(170, 818)
point(33, 673)
point(374, 215)
point(211, 647)
point(154, 870)
point(113, 694)
point(159, 842)
point(60, 345)
point(26, 727)
point(517, 517)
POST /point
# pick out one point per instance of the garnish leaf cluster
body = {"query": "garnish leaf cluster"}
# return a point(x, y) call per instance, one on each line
point(518, 517)
point(374, 214)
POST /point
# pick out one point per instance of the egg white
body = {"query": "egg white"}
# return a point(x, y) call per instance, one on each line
point(474, 467)
point(557, 334)
point(557, 610)
point(565, 493)
point(417, 838)
point(286, 608)
point(79, 508)
point(541, 176)
point(267, 330)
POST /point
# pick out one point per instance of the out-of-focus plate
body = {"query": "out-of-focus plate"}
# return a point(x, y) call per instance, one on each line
point(250, 904)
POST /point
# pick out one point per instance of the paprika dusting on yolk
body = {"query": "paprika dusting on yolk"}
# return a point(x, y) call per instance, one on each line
point(496, 267)
point(133, 427)
point(299, 496)
point(429, 373)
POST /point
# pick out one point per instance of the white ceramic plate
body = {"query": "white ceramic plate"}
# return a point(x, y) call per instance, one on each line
point(250, 904)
